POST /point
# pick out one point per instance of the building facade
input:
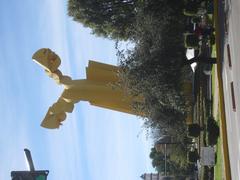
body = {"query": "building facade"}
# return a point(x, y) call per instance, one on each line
point(157, 176)
point(151, 176)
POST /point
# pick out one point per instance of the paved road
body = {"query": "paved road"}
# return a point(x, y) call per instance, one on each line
point(231, 85)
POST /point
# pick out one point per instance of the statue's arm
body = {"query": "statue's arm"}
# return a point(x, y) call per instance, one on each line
point(50, 61)
point(59, 78)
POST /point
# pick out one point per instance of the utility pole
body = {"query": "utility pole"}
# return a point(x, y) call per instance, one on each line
point(165, 155)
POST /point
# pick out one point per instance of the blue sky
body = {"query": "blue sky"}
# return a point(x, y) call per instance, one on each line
point(93, 143)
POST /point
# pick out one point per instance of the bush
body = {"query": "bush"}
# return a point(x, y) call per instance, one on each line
point(213, 131)
point(194, 130)
point(191, 41)
point(193, 156)
point(212, 39)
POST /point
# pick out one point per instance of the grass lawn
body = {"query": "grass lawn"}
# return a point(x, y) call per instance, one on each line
point(214, 111)
point(214, 52)
point(218, 168)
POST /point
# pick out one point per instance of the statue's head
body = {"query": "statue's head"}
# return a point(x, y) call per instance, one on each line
point(53, 120)
point(47, 59)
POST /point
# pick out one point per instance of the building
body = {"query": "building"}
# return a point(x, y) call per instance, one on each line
point(157, 176)
point(151, 176)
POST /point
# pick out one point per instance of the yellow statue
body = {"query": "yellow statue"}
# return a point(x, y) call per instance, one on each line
point(97, 88)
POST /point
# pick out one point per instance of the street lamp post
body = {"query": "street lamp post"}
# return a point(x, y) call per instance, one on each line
point(29, 159)
point(32, 174)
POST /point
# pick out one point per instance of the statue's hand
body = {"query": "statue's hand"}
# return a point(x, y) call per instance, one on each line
point(52, 120)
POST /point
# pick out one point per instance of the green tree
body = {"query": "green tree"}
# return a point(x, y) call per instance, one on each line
point(174, 164)
point(117, 18)
point(153, 69)
point(108, 18)
point(179, 155)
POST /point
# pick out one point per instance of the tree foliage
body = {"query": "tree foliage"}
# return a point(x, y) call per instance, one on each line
point(176, 162)
point(108, 18)
point(153, 68)
point(179, 155)
point(116, 18)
